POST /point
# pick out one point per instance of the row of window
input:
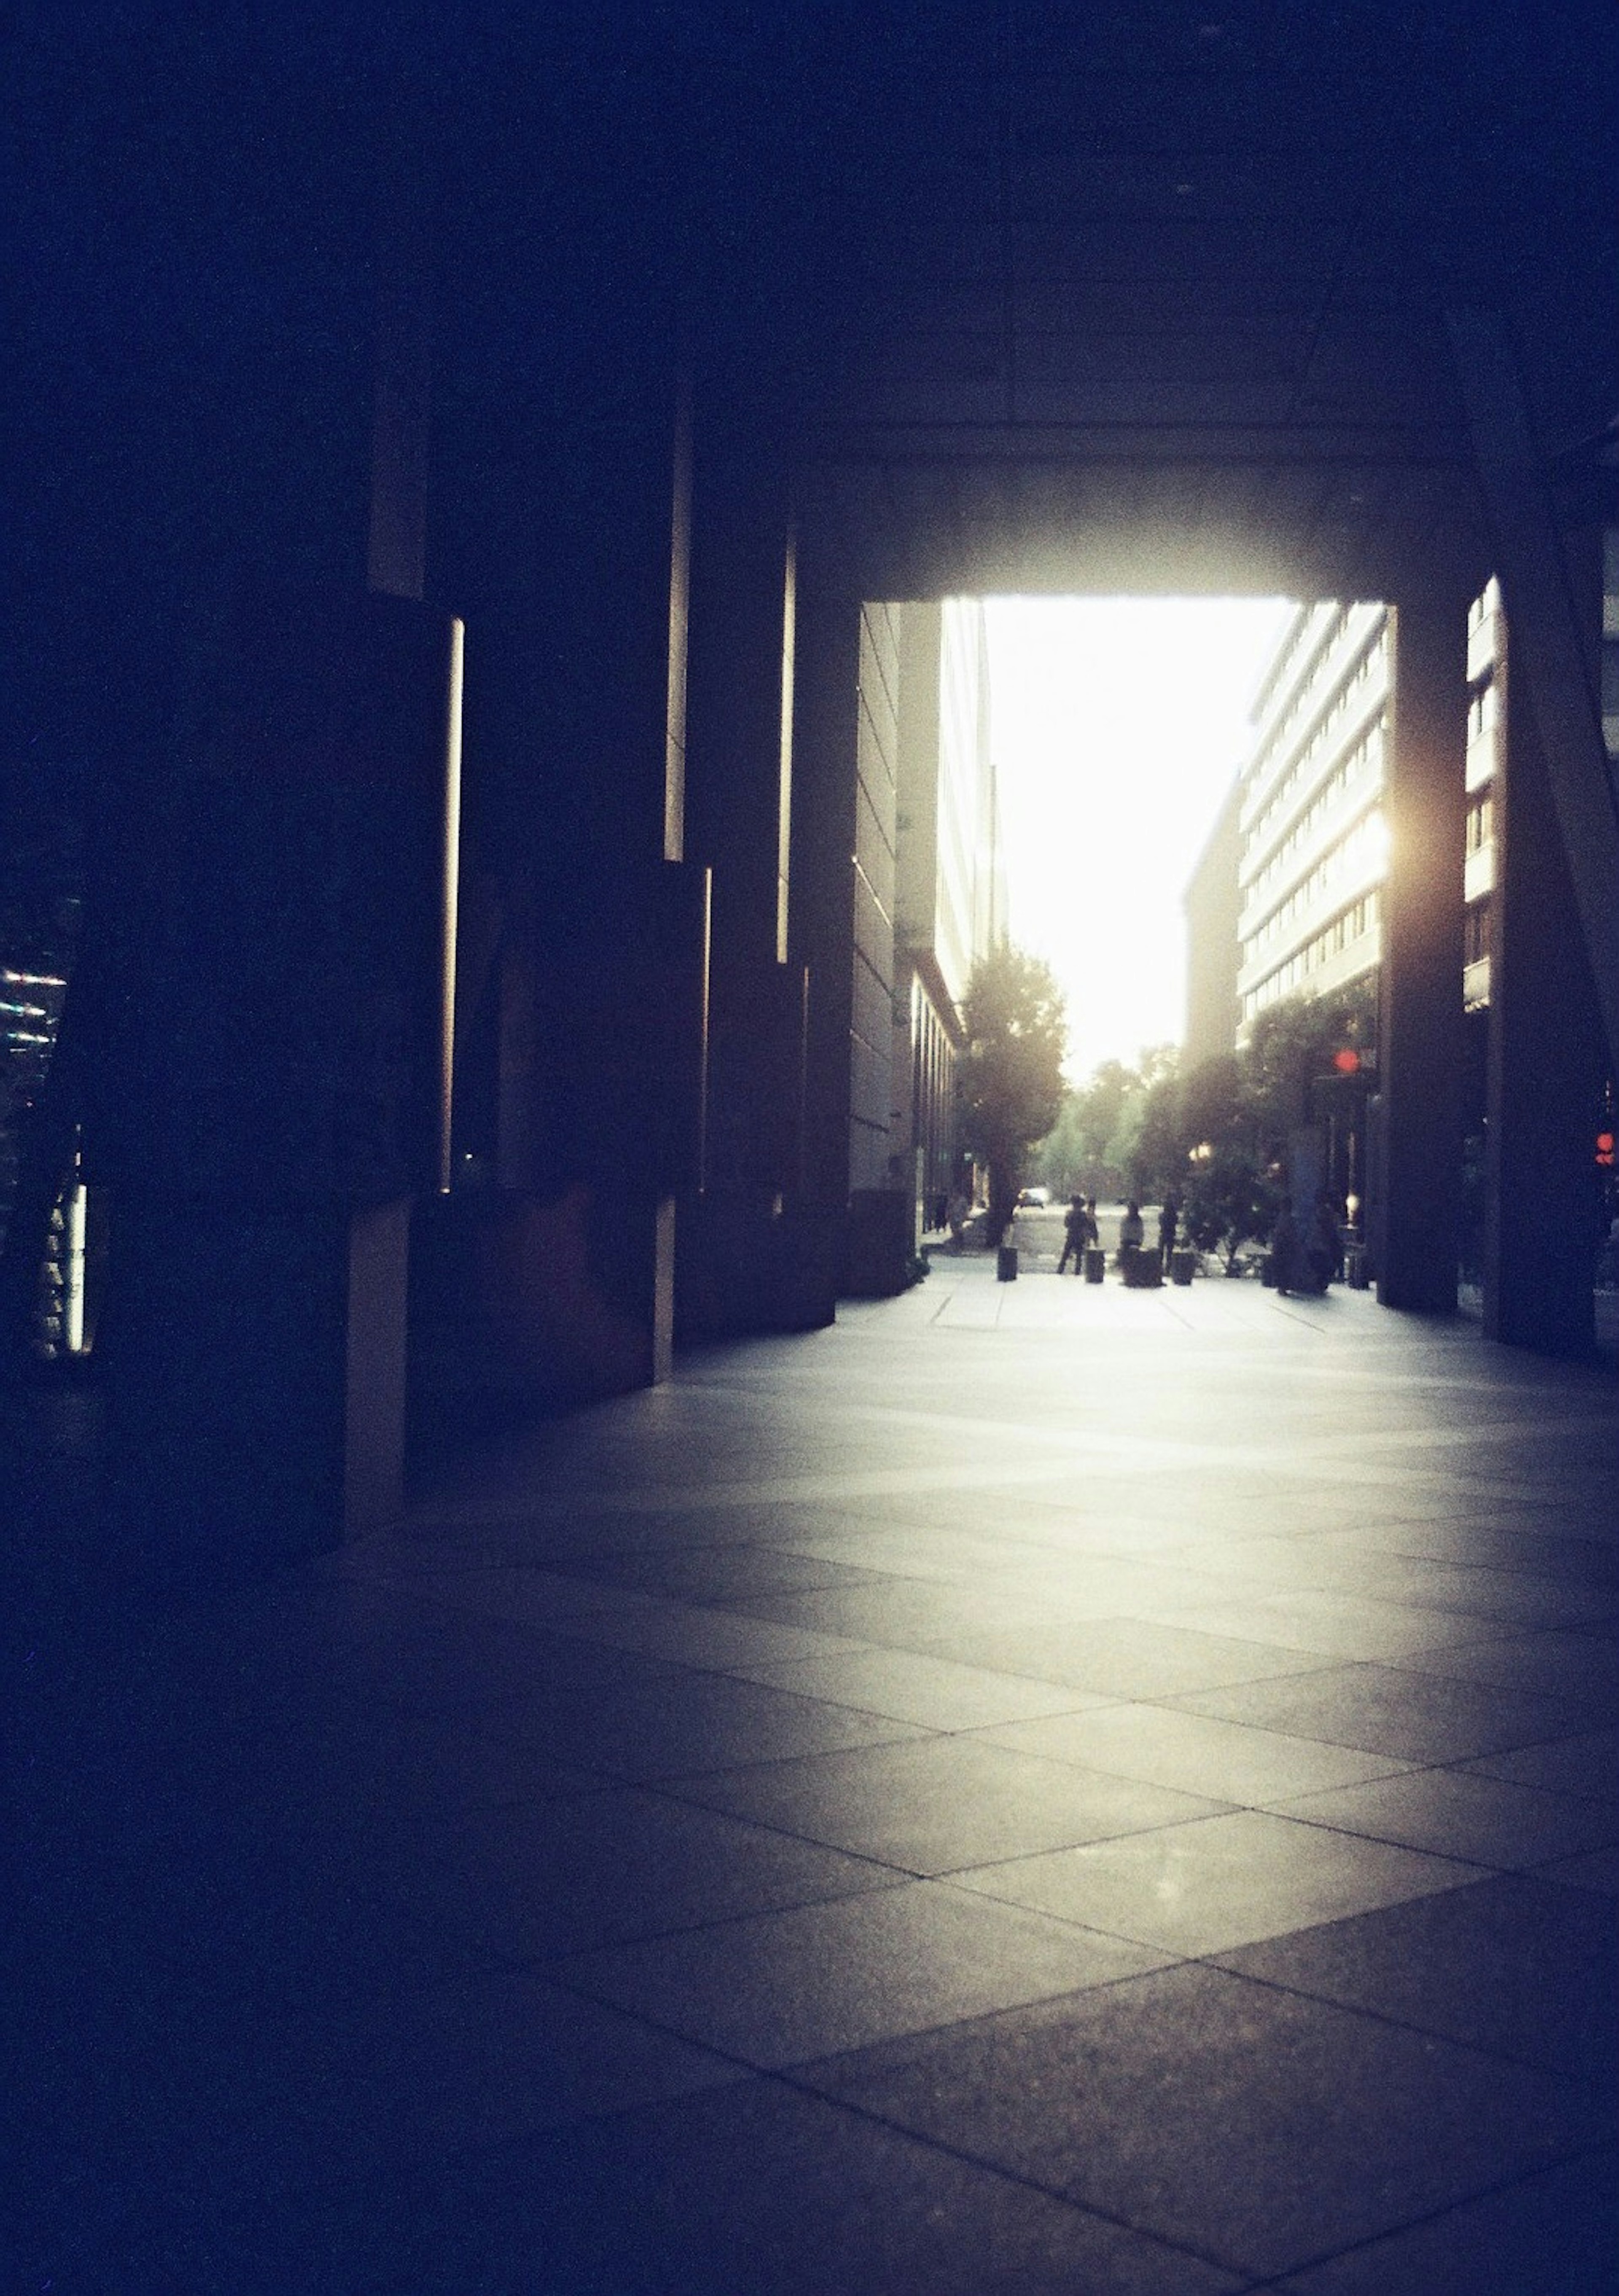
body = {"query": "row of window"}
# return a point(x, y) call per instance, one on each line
point(1364, 848)
point(1321, 639)
point(1481, 823)
point(1476, 932)
point(1350, 695)
point(1350, 925)
point(1483, 712)
point(1364, 760)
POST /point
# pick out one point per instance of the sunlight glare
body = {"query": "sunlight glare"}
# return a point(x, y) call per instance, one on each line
point(1118, 725)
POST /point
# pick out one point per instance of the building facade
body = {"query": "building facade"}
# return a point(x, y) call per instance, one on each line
point(1314, 847)
point(930, 898)
point(1213, 904)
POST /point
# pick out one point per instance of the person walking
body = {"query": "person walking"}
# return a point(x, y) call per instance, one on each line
point(1285, 1249)
point(1076, 1223)
point(1169, 1226)
point(1322, 1246)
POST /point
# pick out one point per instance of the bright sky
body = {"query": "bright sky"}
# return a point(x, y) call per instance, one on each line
point(1118, 724)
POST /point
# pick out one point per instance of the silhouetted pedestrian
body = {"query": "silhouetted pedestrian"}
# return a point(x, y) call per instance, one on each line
point(1285, 1249)
point(1075, 1223)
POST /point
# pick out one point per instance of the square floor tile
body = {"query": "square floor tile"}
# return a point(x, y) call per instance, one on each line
point(1337, 1624)
point(1554, 2235)
point(755, 2190)
point(705, 1574)
point(783, 1987)
point(1204, 1887)
point(1580, 1669)
point(529, 1884)
point(1598, 1871)
point(1587, 1763)
point(1459, 1813)
point(933, 1692)
point(695, 1635)
point(1516, 1965)
point(1123, 1657)
point(905, 1612)
point(943, 1803)
point(1417, 1717)
point(694, 1722)
point(1253, 2125)
point(493, 2057)
point(1229, 1760)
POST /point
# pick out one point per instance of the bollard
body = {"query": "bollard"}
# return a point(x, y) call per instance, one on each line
point(1095, 1264)
point(1006, 1264)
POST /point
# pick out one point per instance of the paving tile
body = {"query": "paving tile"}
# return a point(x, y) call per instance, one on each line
point(1580, 1668)
point(1597, 1870)
point(1459, 1813)
point(933, 1805)
point(1336, 1624)
point(1205, 1886)
point(1256, 2127)
point(695, 1635)
point(1417, 1717)
point(695, 1722)
point(1122, 1657)
point(1516, 1965)
point(1585, 1764)
point(904, 1612)
point(531, 1883)
point(781, 1989)
point(932, 1692)
point(756, 2188)
point(1192, 1752)
point(494, 2056)
point(1554, 2235)
point(715, 1573)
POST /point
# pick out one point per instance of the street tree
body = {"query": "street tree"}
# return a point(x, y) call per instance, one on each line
point(1012, 1072)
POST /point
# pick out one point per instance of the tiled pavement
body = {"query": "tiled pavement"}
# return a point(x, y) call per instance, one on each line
point(1031, 1790)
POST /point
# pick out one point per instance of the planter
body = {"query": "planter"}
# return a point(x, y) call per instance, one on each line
point(1142, 1270)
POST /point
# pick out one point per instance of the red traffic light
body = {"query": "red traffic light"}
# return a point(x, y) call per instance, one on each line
point(1346, 1062)
point(1605, 1147)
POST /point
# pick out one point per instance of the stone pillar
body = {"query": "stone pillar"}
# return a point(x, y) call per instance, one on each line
point(587, 964)
point(277, 1094)
point(1420, 1030)
point(826, 718)
point(741, 1244)
point(1546, 1058)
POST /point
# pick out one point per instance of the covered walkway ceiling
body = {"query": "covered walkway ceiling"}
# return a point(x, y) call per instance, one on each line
point(1150, 297)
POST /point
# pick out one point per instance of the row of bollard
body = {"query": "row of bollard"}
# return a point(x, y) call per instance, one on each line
point(1141, 1269)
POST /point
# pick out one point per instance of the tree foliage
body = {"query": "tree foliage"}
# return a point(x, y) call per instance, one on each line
point(1012, 1072)
point(1217, 1135)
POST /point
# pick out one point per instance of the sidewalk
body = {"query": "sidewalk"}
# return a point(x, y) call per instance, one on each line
point(1034, 1789)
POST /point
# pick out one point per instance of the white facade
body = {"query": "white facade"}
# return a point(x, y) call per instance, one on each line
point(1314, 846)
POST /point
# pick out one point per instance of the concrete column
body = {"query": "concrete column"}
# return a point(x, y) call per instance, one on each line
point(569, 550)
point(279, 1086)
point(1420, 1032)
point(826, 716)
point(739, 751)
point(748, 1249)
point(1546, 1063)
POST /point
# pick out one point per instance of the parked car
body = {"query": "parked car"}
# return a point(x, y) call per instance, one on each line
point(1034, 1200)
